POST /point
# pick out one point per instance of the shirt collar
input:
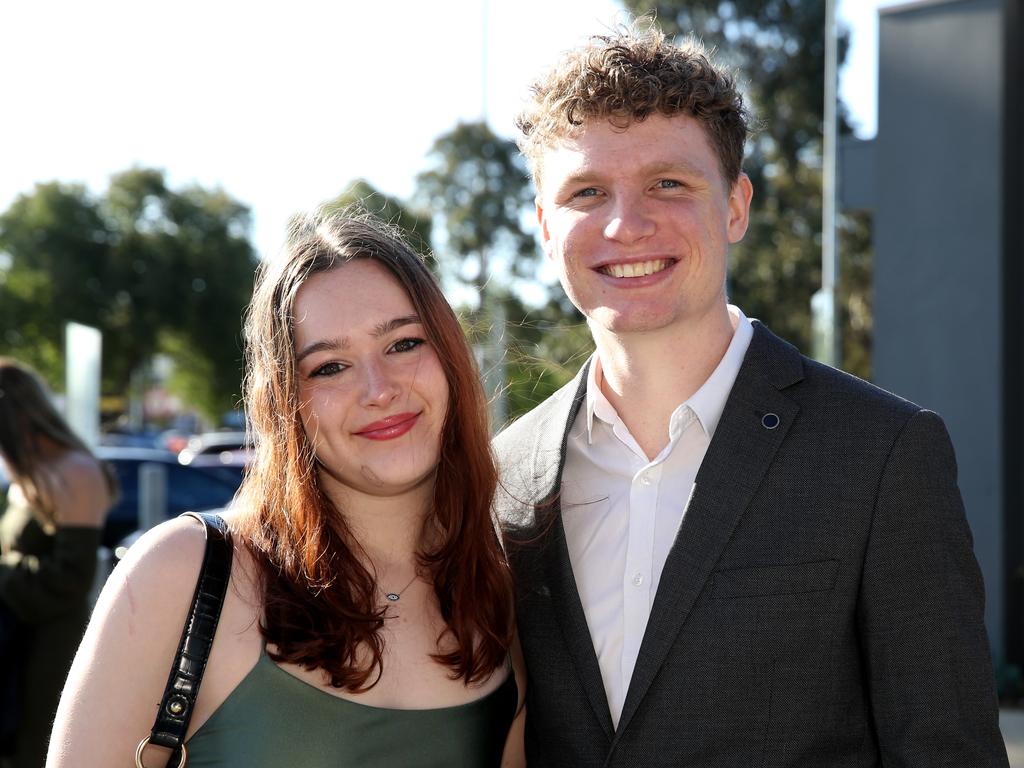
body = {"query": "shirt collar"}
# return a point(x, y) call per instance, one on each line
point(707, 403)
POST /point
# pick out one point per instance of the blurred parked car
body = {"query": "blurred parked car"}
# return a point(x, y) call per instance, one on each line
point(212, 443)
point(189, 488)
point(209, 485)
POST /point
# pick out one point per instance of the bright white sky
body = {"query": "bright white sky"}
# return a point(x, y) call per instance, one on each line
point(284, 104)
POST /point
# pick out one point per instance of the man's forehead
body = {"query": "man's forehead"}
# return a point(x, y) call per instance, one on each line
point(678, 142)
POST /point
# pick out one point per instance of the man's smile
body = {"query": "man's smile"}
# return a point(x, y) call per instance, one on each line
point(636, 268)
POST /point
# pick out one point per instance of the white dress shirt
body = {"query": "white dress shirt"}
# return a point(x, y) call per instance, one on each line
point(621, 511)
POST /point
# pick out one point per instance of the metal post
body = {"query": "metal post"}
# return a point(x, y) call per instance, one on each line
point(83, 357)
point(827, 344)
point(152, 495)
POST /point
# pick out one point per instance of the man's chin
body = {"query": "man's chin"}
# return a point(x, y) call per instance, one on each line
point(619, 323)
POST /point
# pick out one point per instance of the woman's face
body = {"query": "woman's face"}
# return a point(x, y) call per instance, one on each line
point(372, 395)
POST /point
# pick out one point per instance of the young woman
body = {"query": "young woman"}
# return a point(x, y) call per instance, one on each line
point(49, 535)
point(368, 619)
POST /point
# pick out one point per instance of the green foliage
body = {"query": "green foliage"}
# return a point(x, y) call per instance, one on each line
point(143, 263)
point(40, 288)
point(546, 347)
point(778, 46)
point(478, 189)
point(855, 281)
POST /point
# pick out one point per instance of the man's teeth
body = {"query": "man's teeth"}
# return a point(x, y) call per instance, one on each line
point(636, 269)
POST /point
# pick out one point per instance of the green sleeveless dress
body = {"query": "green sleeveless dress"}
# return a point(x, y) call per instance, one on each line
point(274, 719)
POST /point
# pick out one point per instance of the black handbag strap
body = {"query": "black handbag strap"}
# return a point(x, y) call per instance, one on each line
point(179, 697)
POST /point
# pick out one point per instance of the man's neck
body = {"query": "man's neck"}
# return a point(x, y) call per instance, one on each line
point(645, 376)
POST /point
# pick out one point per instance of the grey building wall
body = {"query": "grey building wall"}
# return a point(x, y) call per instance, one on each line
point(938, 291)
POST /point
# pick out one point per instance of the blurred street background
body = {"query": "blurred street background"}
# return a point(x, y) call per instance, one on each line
point(151, 155)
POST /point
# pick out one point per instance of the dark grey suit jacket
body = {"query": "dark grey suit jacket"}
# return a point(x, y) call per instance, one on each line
point(821, 605)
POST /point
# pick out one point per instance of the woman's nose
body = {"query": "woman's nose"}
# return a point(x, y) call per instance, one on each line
point(381, 387)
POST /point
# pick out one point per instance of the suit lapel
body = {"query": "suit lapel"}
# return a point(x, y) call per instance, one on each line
point(573, 622)
point(557, 567)
point(737, 458)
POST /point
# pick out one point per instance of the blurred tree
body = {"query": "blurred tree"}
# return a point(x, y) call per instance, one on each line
point(478, 189)
point(154, 269)
point(779, 48)
point(40, 287)
point(545, 347)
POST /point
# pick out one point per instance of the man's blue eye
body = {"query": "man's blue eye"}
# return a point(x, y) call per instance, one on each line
point(588, 192)
point(669, 184)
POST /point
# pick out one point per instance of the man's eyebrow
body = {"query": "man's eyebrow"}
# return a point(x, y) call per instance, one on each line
point(381, 329)
point(674, 166)
point(593, 175)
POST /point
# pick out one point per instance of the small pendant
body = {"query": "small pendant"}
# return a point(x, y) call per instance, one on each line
point(392, 596)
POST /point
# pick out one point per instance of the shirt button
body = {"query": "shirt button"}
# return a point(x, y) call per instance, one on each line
point(645, 480)
point(638, 579)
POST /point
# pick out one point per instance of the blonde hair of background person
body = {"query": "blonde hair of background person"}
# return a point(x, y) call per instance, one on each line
point(347, 332)
point(49, 535)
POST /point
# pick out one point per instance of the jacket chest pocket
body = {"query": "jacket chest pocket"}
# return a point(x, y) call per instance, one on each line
point(766, 580)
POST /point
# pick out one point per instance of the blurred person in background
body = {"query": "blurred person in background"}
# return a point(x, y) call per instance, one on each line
point(49, 538)
point(368, 618)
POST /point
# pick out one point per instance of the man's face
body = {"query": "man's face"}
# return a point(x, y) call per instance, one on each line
point(639, 222)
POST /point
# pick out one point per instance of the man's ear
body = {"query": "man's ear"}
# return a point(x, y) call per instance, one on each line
point(739, 207)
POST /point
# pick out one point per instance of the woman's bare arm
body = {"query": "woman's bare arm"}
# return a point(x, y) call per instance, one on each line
point(114, 688)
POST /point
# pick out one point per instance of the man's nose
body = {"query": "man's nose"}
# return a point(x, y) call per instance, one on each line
point(630, 220)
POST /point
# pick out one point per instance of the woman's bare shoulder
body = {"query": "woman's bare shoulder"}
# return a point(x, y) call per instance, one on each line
point(119, 674)
point(157, 576)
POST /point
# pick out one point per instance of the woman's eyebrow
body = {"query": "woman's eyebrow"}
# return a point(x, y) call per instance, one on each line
point(321, 346)
point(386, 327)
point(381, 329)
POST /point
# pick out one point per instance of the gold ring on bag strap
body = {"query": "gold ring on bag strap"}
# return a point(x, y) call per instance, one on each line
point(142, 746)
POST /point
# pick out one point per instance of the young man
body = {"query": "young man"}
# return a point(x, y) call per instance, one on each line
point(726, 554)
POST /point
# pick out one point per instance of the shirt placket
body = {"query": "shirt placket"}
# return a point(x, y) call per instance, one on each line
point(636, 587)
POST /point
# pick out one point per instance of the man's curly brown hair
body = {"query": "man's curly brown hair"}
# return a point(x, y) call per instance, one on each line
point(630, 75)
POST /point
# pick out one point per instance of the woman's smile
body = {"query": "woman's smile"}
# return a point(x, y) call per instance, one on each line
point(389, 428)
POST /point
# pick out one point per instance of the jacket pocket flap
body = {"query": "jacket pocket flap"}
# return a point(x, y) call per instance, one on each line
point(776, 579)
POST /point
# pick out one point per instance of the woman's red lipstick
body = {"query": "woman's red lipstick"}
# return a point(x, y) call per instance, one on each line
point(389, 428)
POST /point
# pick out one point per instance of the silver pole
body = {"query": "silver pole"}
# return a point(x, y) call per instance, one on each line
point(493, 363)
point(824, 304)
point(152, 495)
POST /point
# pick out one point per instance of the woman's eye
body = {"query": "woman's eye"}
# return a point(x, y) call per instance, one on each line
point(406, 345)
point(329, 369)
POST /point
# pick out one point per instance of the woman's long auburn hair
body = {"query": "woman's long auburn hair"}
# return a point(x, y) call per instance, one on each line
point(321, 604)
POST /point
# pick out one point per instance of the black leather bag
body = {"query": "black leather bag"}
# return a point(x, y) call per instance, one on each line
point(186, 674)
